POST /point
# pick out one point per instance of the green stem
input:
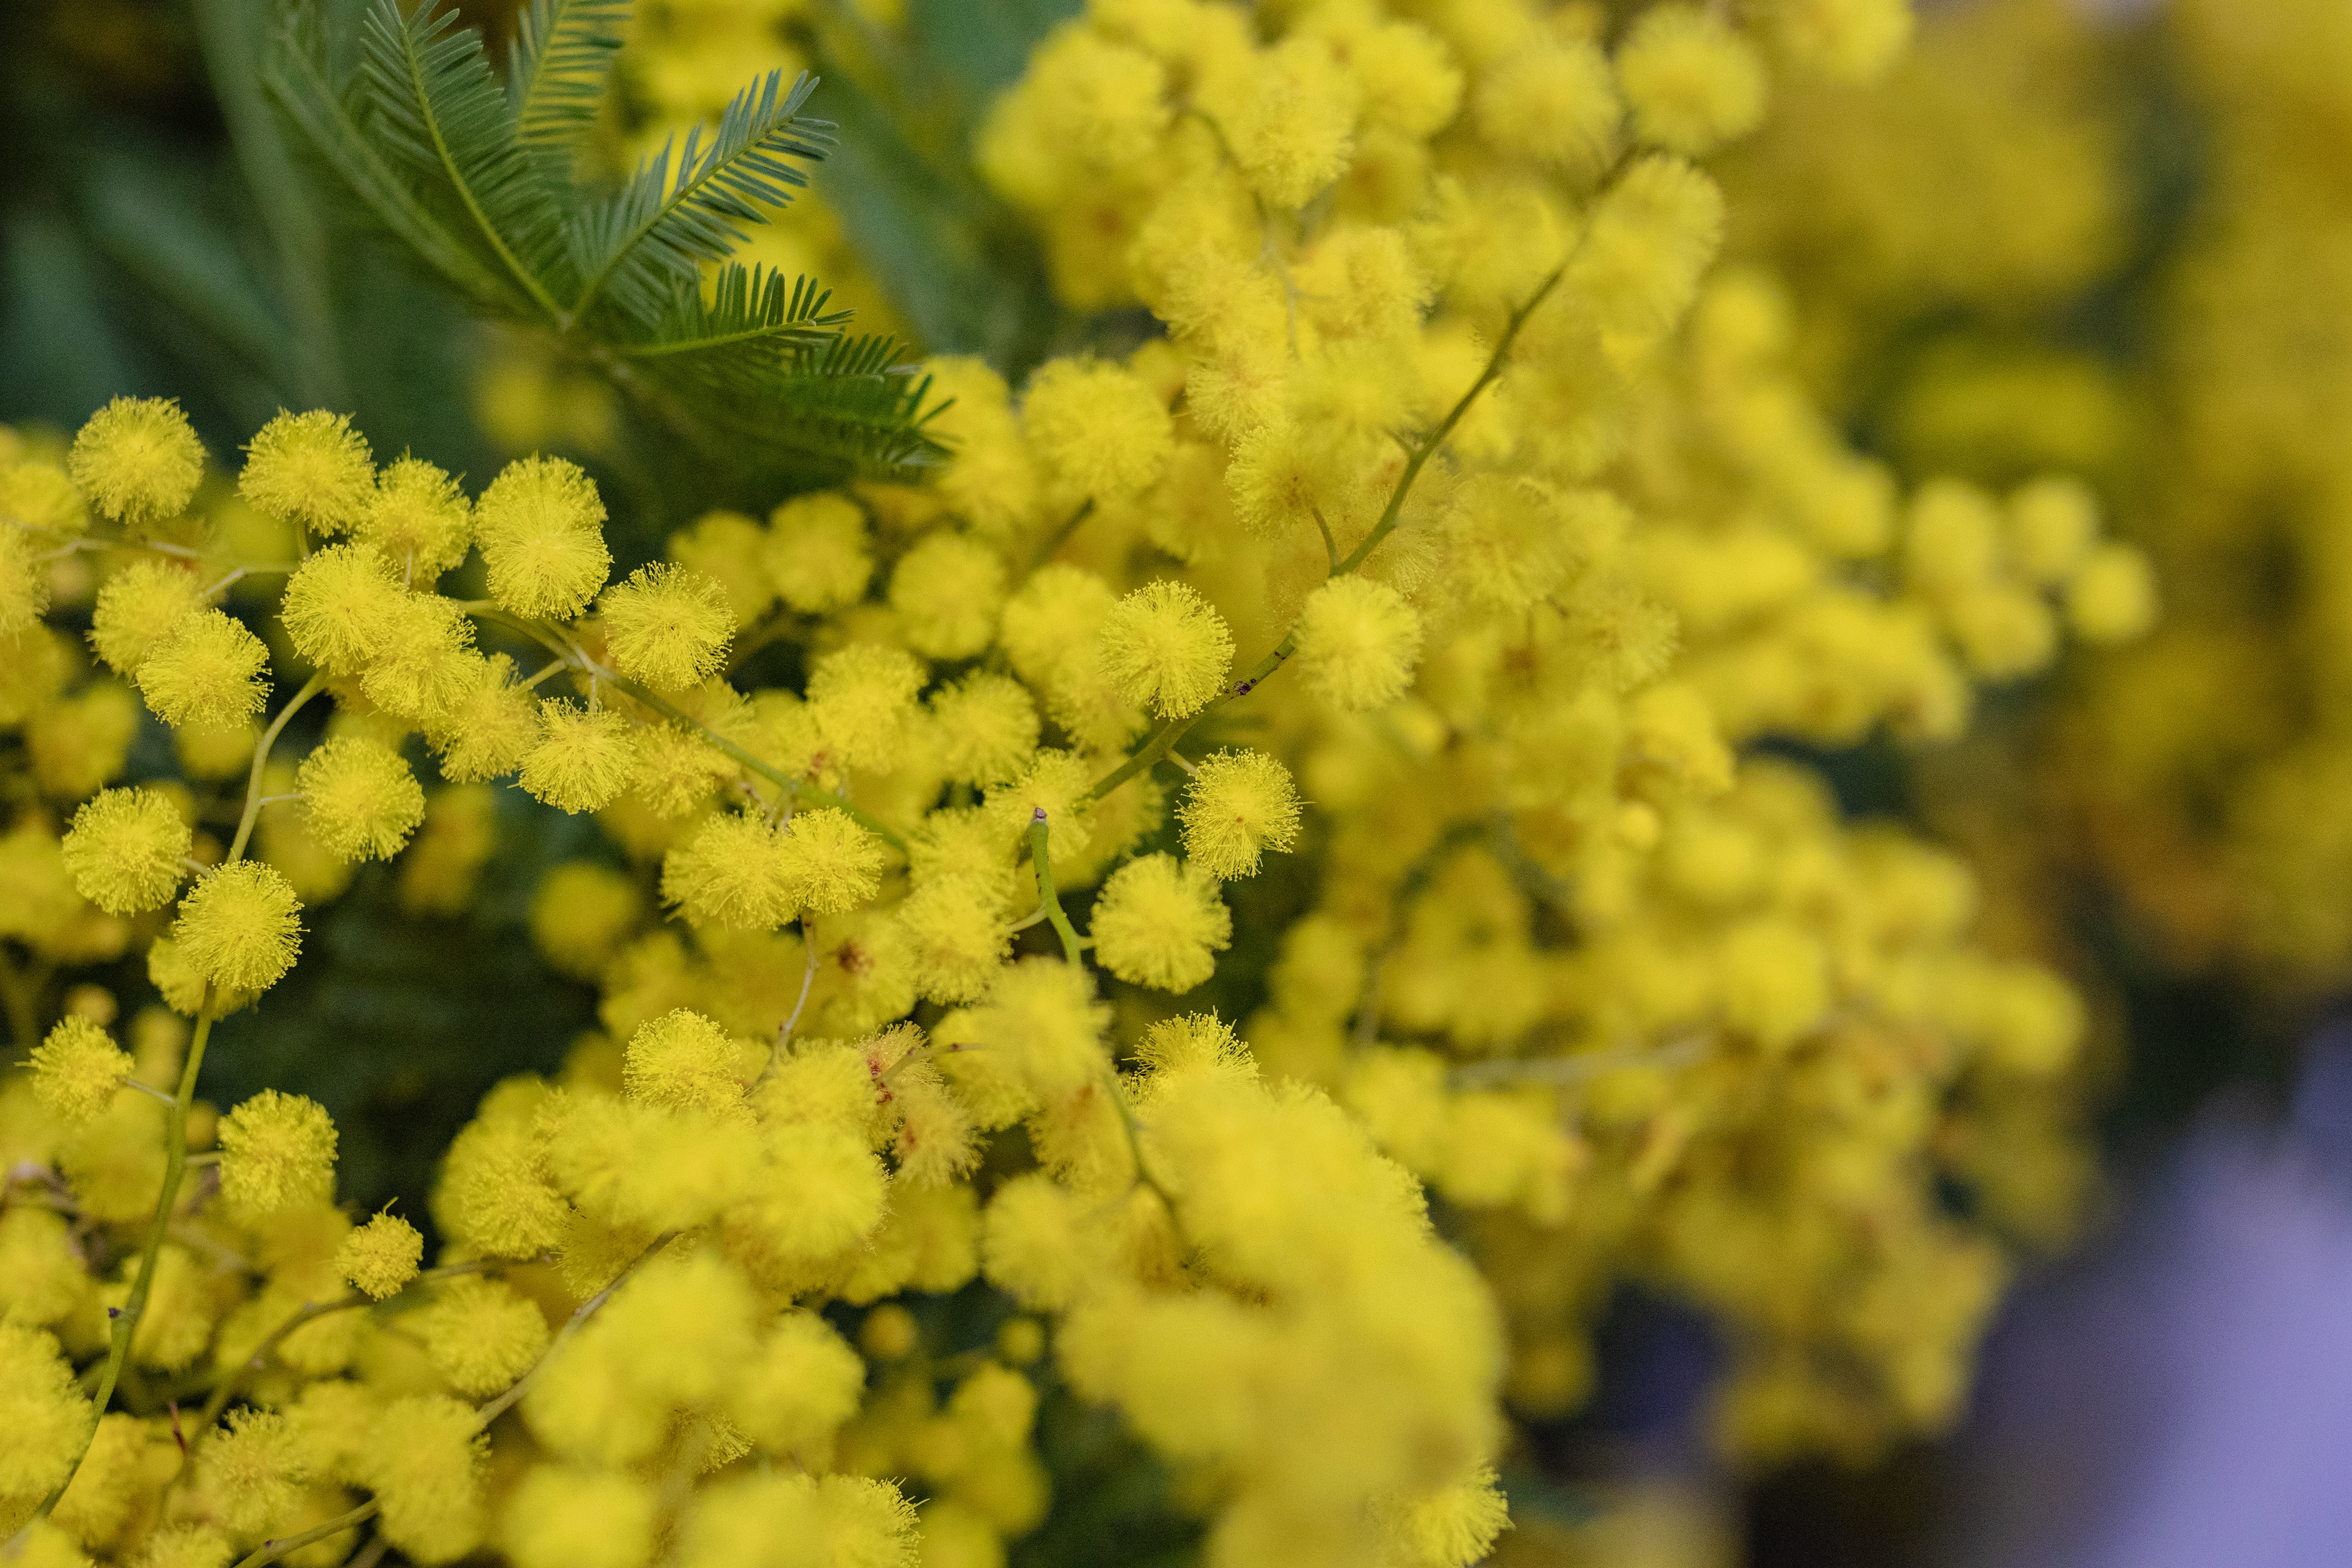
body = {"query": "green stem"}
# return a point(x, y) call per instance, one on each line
point(1047, 898)
point(261, 750)
point(126, 1316)
point(271, 1550)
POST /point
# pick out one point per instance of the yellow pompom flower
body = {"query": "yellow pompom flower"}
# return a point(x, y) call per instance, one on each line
point(987, 727)
point(831, 864)
point(76, 1070)
point(137, 460)
point(240, 926)
point(312, 468)
point(1099, 431)
point(541, 528)
point(1166, 646)
point(1291, 120)
point(424, 1461)
point(730, 874)
point(1555, 103)
point(1056, 611)
point(2053, 523)
point(817, 555)
point(252, 1472)
point(1452, 1527)
point(141, 606)
point(380, 1257)
point(563, 1517)
point(127, 850)
point(341, 605)
point(1845, 40)
point(862, 697)
point(1692, 81)
point(488, 726)
point(277, 1149)
point(419, 519)
point(583, 760)
point(947, 591)
point(1358, 642)
point(1240, 805)
point(802, 1383)
point(359, 799)
point(2112, 599)
point(767, 1520)
point(1160, 924)
point(580, 914)
point(41, 496)
point(683, 1061)
point(208, 672)
point(478, 1333)
point(667, 627)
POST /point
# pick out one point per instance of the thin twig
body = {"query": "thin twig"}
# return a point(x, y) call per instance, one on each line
point(1042, 861)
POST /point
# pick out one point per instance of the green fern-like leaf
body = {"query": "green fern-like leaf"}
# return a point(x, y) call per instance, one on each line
point(296, 79)
point(563, 54)
point(749, 310)
point(434, 105)
point(657, 231)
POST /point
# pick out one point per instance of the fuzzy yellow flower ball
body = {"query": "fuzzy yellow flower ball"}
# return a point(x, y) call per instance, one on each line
point(1693, 80)
point(1241, 805)
point(1166, 646)
point(1160, 924)
point(1097, 429)
point(312, 468)
point(126, 851)
point(143, 605)
point(584, 759)
point(341, 607)
point(380, 1257)
point(1358, 642)
point(277, 1149)
point(359, 799)
point(541, 528)
point(815, 555)
point(207, 673)
point(240, 926)
point(137, 460)
point(76, 1069)
point(667, 627)
point(419, 519)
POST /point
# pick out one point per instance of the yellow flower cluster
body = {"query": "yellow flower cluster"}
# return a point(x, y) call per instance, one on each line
point(2196, 772)
point(1449, 411)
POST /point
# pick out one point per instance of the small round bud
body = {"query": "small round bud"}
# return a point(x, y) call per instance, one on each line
point(359, 799)
point(137, 460)
point(667, 627)
point(277, 1149)
point(240, 926)
point(312, 468)
point(126, 851)
point(380, 1257)
point(1241, 805)
point(1166, 646)
point(76, 1069)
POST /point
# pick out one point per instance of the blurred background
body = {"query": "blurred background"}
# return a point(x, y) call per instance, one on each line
point(2113, 239)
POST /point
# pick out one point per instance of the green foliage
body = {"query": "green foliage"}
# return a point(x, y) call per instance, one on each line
point(476, 184)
